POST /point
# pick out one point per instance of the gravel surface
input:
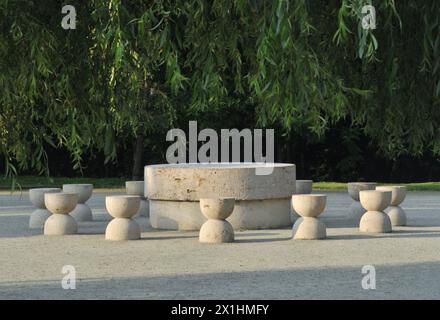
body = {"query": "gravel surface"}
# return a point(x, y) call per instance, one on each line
point(261, 264)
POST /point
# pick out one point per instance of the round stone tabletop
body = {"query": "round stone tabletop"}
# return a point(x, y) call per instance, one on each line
point(243, 181)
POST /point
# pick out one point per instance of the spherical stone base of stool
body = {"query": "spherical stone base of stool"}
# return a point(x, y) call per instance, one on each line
point(82, 212)
point(216, 231)
point(294, 216)
point(38, 218)
point(144, 209)
point(122, 229)
point(355, 211)
point(296, 225)
point(60, 224)
point(397, 216)
point(310, 229)
point(375, 222)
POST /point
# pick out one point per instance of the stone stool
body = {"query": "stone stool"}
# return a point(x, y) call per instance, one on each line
point(375, 220)
point(395, 212)
point(309, 207)
point(216, 229)
point(355, 211)
point(60, 204)
point(40, 215)
point(302, 187)
point(82, 211)
point(137, 188)
point(122, 209)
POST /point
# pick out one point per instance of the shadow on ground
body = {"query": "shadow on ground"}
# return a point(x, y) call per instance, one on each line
point(412, 281)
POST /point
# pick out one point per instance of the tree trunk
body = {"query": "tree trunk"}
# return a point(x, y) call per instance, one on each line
point(138, 151)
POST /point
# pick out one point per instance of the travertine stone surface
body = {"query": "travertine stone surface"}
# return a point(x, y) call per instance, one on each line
point(310, 229)
point(219, 209)
point(186, 215)
point(60, 224)
point(355, 211)
point(397, 216)
point(395, 212)
point(36, 196)
point(354, 188)
point(309, 207)
point(216, 229)
point(190, 182)
point(375, 220)
point(262, 201)
point(137, 188)
point(398, 193)
point(374, 200)
point(122, 227)
point(82, 211)
point(302, 187)
point(84, 190)
point(60, 204)
point(41, 214)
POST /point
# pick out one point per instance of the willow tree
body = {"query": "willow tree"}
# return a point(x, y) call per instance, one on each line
point(104, 83)
point(131, 67)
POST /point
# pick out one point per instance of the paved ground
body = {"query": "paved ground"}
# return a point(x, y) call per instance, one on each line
point(261, 264)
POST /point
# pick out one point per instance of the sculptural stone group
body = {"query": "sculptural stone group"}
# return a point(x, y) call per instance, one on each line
point(122, 209)
point(59, 212)
point(60, 222)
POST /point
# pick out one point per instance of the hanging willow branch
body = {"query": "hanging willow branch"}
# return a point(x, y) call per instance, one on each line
point(136, 66)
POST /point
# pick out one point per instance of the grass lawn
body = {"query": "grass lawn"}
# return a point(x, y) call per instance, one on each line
point(419, 186)
point(26, 182)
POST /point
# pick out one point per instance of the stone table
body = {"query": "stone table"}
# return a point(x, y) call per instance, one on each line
point(262, 201)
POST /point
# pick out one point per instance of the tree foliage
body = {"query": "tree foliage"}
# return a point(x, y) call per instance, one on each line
point(135, 67)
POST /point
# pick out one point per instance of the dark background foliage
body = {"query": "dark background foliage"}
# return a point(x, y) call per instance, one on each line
point(346, 103)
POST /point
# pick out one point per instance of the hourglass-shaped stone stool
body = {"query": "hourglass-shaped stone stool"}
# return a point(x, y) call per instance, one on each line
point(60, 204)
point(355, 211)
point(302, 187)
point(309, 207)
point(122, 209)
point(216, 229)
point(82, 212)
point(40, 215)
point(137, 188)
point(395, 212)
point(375, 220)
